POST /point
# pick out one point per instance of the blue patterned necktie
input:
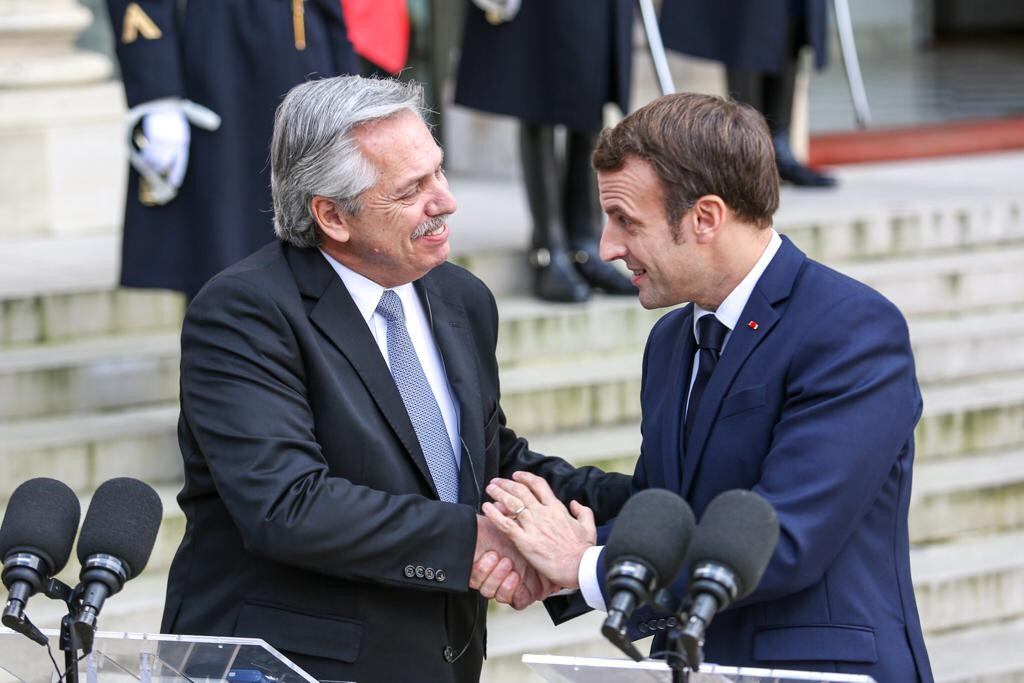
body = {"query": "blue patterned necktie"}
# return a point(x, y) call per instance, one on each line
point(419, 400)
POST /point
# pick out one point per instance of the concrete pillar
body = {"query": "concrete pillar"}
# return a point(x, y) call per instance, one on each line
point(62, 149)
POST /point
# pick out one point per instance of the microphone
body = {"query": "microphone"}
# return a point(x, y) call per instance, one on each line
point(645, 551)
point(117, 538)
point(733, 544)
point(35, 541)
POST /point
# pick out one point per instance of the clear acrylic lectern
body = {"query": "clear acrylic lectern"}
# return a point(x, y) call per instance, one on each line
point(597, 670)
point(150, 658)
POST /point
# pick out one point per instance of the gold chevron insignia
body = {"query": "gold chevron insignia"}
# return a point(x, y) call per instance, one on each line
point(136, 23)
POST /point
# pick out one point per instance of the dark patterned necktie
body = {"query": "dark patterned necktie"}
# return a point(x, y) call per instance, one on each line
point(419, 400)
point(710, 338)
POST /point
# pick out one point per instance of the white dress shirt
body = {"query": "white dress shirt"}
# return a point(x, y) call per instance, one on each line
point(728, 314)
point(366, 294)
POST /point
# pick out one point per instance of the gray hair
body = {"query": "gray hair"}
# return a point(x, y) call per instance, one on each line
point(314, 152)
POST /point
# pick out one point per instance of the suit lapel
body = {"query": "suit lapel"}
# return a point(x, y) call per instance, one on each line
point(772, 288)
point(452, 334)
point(332, 310)
point(678, 382)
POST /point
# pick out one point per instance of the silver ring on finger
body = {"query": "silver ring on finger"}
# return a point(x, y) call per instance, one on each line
point(518, 511)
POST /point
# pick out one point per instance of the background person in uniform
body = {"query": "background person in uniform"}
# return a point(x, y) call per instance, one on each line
point(340, 413)
point(759, 43)
point(237, 58)
point(555, 63)
point(783, 377)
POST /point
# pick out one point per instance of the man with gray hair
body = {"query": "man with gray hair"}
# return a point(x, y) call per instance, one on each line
point(340, 414)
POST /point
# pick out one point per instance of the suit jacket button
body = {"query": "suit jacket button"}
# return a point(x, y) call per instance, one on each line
point(409, 571)
point(642, 627)
point(440, 576)
point(419, 571)
point(449, 654)
point(428, 573)
point(661, 624)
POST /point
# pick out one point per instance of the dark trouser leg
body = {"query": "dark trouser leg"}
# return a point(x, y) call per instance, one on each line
point(583, 217)
point(772, 95)
point(779, 91)
point(555, 277)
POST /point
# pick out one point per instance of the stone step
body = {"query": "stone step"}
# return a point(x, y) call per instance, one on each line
point(133, 369)
point(966, 496)
point(587, 412)
point(879, 211)
point(73, 316)
point(85, 450)
point(969, 582)
point(537, 331)
point(972, 416)
point(919, 282)
point(593, 391)
point(986, 654)
point(974, 344)
point(967, 280)
point(93, 374)
point(954, 503)
point(852, 230)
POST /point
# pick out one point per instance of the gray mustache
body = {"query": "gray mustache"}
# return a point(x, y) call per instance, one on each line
point(431, 224)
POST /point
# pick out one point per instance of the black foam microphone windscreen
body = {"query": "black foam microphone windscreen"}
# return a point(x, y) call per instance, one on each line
point(739, 529)
point(122, 521)
point(655, 525)
point(41, 518)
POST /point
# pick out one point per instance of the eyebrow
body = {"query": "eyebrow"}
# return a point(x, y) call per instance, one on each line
point(617, 208)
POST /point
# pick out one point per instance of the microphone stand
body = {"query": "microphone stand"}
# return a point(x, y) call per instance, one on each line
point(69, 642)
point(684, 655)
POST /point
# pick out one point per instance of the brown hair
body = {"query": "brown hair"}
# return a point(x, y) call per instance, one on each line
point(699, 145)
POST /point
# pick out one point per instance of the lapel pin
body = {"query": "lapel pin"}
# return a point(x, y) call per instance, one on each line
point(752, 325)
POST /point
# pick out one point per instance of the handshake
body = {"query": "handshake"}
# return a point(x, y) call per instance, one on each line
point(528, 545)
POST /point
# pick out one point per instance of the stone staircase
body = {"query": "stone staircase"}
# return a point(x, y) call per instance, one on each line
point(88, 384)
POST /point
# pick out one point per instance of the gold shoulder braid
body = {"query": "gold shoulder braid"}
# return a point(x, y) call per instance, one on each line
point(299, 24)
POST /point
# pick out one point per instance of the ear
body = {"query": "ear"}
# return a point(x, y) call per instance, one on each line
point(329, 217)
point(709, 214)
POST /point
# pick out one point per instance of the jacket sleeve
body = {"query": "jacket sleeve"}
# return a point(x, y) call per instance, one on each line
point(148, 48)
point(603, 492)
point(244, 401)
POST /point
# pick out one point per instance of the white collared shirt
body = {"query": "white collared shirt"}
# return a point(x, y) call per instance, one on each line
point(731, 308)
point(728, 314)
point(366, 294)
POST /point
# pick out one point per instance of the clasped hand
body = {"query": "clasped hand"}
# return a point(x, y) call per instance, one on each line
point(528, 544)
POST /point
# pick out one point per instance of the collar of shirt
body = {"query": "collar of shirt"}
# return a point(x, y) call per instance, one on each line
point(366, 293)
point(731, 308)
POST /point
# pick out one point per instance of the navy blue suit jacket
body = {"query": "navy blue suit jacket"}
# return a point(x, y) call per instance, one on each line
point(814, 410)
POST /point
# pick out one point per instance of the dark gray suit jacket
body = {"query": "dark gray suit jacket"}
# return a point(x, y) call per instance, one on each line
point(313, 522)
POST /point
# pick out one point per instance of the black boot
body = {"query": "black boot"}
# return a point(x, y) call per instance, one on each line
point(554, 276)
point(582, 213)
point(792, 171)
point(772, 95)
point(601, 274)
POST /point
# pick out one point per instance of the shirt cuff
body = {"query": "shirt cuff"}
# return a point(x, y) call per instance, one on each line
point(590, 585)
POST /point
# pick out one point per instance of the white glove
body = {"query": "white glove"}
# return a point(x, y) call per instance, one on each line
point(499, 11)
point(160, 153)
point(165, 150)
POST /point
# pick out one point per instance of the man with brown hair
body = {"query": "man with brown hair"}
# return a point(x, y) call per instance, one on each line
point(781, 376)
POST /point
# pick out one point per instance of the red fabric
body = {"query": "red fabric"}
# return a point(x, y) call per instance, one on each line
point(379, 31)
